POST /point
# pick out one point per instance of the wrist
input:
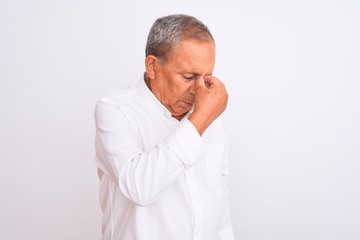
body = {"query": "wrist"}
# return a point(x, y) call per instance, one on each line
point(199, 122)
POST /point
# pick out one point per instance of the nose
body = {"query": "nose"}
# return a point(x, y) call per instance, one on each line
point(192, 86)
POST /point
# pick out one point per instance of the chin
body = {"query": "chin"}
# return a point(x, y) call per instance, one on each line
point(180, 114)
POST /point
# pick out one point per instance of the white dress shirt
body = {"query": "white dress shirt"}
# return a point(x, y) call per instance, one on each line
point(160, 180)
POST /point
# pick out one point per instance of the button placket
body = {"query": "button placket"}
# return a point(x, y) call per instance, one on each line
point(195, 199)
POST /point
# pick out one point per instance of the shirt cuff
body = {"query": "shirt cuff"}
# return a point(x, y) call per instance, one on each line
point(186, 143)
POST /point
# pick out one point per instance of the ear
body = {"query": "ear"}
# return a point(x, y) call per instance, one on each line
point(150, 65)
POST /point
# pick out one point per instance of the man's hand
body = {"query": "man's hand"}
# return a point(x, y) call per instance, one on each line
point(210, 102)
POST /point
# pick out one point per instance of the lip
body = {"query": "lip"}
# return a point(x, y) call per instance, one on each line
point(187, 103)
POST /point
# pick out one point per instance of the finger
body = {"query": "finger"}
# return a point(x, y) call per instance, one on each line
point(211, 80)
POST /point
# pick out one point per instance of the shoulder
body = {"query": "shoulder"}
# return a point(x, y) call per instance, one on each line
point(124, 103)
point(118, 96)
point(125, 98)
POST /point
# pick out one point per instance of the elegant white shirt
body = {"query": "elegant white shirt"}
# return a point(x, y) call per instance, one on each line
point(159, 179)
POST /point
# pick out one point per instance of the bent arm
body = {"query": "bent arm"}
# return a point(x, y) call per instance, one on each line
point(142, 175)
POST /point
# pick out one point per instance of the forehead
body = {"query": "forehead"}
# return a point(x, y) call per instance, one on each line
point(193, 56)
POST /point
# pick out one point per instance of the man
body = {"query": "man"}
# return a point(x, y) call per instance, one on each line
point(161, 153)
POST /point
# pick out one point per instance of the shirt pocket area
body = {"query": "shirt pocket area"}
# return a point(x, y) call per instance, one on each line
point(214, 163)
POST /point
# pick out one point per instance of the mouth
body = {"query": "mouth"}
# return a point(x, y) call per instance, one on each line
point(188, 104)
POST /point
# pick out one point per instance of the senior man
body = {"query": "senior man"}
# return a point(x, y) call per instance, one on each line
point(160, 152)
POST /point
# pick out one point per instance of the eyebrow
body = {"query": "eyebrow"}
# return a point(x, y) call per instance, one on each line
point(194, 73)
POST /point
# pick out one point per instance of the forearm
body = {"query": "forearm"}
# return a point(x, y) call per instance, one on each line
point(147, 174)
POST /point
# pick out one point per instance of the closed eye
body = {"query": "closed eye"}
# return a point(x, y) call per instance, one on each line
point(191, 77)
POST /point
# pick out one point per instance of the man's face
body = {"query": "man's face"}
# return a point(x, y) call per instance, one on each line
point(173, 83)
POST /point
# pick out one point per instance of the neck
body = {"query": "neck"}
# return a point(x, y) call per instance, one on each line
point(147, 82)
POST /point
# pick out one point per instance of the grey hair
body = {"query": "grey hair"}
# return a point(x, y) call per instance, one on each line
point(168, 31)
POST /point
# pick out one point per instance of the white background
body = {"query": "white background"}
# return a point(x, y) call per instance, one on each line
point(292, 72)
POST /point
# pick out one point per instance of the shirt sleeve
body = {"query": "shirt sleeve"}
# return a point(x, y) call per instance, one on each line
point(141, 175)
point(225, 230)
